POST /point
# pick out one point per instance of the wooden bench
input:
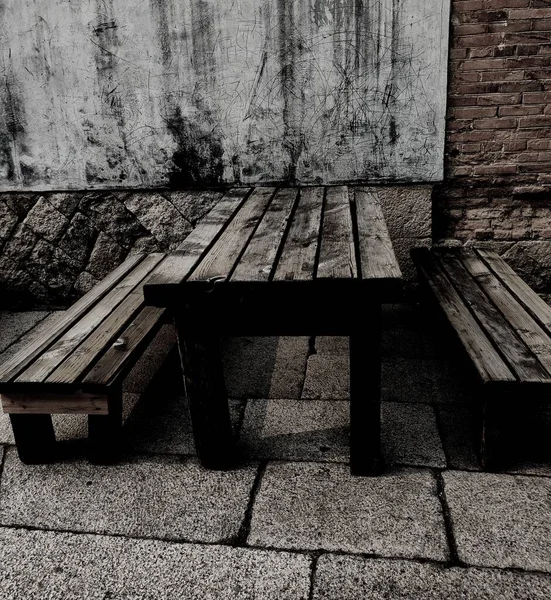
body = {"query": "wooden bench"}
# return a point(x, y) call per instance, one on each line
point(77, 365)
point(505, 329)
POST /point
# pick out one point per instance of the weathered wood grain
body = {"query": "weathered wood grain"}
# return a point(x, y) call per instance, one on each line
point(489, 364)
point(219, 261)
point(297, 260)
point(51, 404)
point(519, 359)
point(377, 258)
point(337, 257)
point(522, 323)
point(26, 355)
point(108, 370)
point(47, 362)
point(257, 261)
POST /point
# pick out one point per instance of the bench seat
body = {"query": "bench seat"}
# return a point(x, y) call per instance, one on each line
point(78, 364)
point(503, 326)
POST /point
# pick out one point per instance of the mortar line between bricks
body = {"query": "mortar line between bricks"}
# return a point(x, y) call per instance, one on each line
point(295, 551)
point(448, 525)
point(244, 530)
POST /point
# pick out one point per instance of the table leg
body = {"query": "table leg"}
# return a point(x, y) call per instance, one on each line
point(34, 437)
point(365, 393)
point(206, 393)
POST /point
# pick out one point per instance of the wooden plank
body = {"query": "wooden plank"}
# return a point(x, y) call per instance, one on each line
point(176, 266)
point(377, 258)
point(46, 363)
point(337, 258)
point(219, 261)
point(298, 258)
point(257, 262)
point(534, 304)
point(519, 359)
point(115, 361)
point(26, 355)
point(485, 357)
point(54, 404)
point(529, 331)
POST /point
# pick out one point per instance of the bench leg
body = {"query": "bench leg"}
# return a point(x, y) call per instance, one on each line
point(365, 395)
point(105, 432)
point(495, 453)
point(34, 437)
point(206, 394)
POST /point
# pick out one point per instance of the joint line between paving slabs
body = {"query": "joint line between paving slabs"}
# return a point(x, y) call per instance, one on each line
point(448, 525)
point(244, 530)
point(313, 571)
point(440, 429)
point(2, 463)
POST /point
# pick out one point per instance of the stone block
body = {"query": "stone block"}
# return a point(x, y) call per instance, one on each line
point(20, 203)
point(532, 261)
point(500, 521)
point(265, 367)
point(85, 282)
point(109, 215)
point(402, 248)
point(160, 217)
point(355, 578)
point(407, 210)
point(313, 506)
point(156, 498)
point(64, 566)
point(106, 255)
point(65, 202)
point(20, 245)
point(52, 268)
point(193, 205)
point(46, 221)
point(8, 221)
point(78, 240)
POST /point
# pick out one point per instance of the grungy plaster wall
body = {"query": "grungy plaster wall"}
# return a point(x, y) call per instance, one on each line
point(152, 93)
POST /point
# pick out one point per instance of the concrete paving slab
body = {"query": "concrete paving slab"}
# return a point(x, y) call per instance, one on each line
point(422, 380)
point(501, 520)
point(151, 360)
point(153, 497)
point(401, 343)
point(320, 431)
point(39, 565)
point(353, 578)
point(456, 429)
point(410, 435)
point(296, 430)
point(13, 325)
point(37, 329)
point(327, 378)
point(265, 367)
point(162, 425)
point(321, 506)
point(331, 345)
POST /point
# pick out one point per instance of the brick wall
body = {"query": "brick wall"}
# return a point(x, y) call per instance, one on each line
point(497, 187)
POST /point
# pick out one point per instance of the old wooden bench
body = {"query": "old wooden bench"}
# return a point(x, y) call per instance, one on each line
point(77, 365)
point(281, 261)
point(505, 329)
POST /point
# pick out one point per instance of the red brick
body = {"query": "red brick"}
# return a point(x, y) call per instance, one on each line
point(519, 86)
point(486, 87)
point(536, 98)
point(523, 62)
point(464, 5)
point(519, 111)
point(539, 144)
point(541, 25)
point(506, 3)
point(527, 49)
point(468, 29)
point(526, 157)
point(468, 136)
point(544, 49)
point(456, 53)
point(510, 26)
point(483, 64)
point(498, 99)
point(481, 52)
point(530, 13)
point(498, 75)
point(473, 41)
point(496, 123)
point(514, 146)
point(475, 113)
point(495, 169)
point(534, 167)
point(535, 121)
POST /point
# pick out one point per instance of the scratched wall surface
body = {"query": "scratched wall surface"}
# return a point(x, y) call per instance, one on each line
point(108, 93)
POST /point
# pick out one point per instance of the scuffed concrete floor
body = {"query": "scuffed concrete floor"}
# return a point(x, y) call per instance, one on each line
point(289, 521)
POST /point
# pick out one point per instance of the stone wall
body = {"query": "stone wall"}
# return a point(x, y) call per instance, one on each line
point(54, 247)
point(497, 189)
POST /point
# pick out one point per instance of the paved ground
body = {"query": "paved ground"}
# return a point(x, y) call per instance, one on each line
point(289, 521)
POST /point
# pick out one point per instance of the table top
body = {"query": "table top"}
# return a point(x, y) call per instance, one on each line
point(286, 237)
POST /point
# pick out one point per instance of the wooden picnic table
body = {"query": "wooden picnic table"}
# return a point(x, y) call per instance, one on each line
point(281, 261)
